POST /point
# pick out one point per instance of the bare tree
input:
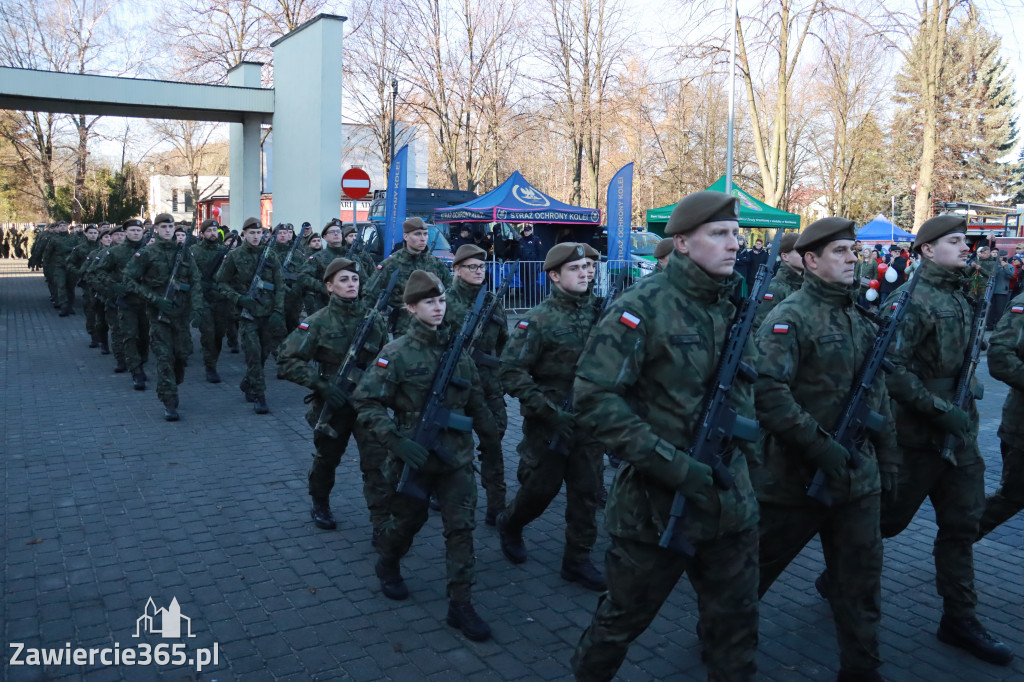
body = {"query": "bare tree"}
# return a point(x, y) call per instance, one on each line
point(212, 36)
point(191, 141)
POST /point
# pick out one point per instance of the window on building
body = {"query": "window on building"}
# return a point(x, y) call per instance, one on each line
point(174, 201)
point(189, 203)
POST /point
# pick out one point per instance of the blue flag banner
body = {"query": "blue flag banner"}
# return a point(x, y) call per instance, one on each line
point(620, 213)
point(394, 210)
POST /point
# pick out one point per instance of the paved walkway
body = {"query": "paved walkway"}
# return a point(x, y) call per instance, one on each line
point(106, 506)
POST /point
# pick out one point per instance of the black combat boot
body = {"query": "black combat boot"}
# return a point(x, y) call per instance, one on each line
point(104, 347)
point(435, 503)
point(859, 676)
point(491, 518)
point(391, 583)
point(179, 371)
point(971, 636)
point(512, 545)
point(260, 404)
point(463, 616)
point(321, 514)
point(171, 410)
point(93, 342)
point(821, 585)
point(121, 367)
point(584, 572)
point(66, 310)
point(212, 376)
point(139, 381)
point(244, 386)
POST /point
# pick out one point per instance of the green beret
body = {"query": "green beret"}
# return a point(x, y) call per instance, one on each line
point(563, 253)
point(590, 252)
point(823, 231)
point(333, 222)
point(699, 208)
point(209, 222)
point(163, 218)
point(134, 222)
point(664, 247)
point(421, 285)
point(92, 226)
point(347, 230)
point(467, 251)
point(413, 224)
point(181, 228)
point(340, 264)
point(287, 226)
point(252, 224)
point(116, 228)
point(939, 226)
point(788, 242)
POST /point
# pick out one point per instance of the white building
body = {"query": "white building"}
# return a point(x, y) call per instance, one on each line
point(173, 194)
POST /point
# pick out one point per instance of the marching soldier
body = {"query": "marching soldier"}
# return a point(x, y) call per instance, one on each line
point(74, 266)
point(811, 348)
point(492, 335)
point(324, 338)
point(413, 256)
point(217, 311)
point(260, 313)
point(662, 251)
point(148, 274)
point(364, 259)
point(788, 279)
point(640, 387)
point(132, 328)
point(537, 367)
point(98, 296)
point(289, 275)
point(400, 380)
point(311, 279)
point(55, 256)
point(103, 282)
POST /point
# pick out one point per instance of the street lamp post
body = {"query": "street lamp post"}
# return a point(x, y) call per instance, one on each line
point(394, 95)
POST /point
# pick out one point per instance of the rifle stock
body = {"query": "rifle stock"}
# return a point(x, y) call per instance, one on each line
point(257, 285)
point(172, 284)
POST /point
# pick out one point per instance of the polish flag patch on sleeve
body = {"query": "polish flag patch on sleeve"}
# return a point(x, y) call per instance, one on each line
point(137, 254)
point(304, 326)
point(383, 362)
point(769, 296)
point(780, 329)
point(523, 324)
point(629, 319)
point(894, 305)
point(1017, 309)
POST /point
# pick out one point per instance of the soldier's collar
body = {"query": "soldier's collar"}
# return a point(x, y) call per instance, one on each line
point(689, 277)
point(830, 291)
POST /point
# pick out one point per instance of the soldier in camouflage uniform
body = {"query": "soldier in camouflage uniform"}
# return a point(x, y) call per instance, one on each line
point(148, 275)
point(290, 264)
point(311, 276)
point(400, 380)
point(662, 251)
point(75, 265)
point(132, 329)
point(491, 337)
point(217, 311)
point(266, 308)
point(786, 281)
point(95, 293)
point(537, 367)
point(55, 257)
point(811, 348)
point(364, 258)
point(324, 338)
point(640, 386)
point(414, 256)
point(1006, 363)
point(105, 288)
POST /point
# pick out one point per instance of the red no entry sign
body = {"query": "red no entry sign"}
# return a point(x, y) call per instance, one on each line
point(355, 183)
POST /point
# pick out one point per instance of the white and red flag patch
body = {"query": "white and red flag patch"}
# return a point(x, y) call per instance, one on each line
point(769, 296)
point(383, 362)
point(523, 324)
point(629, 319)
point(780, 329)
point(304, 326)
point(1017, 309)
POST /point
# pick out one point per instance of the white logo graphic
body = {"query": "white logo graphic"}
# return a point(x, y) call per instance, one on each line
point(169, 621)
point(529, 196)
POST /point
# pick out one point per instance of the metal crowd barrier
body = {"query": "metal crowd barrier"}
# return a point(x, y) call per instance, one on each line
point(530, 284)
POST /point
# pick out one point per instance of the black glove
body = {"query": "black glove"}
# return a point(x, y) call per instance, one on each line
point(332, 395)
point(411, 452)
point(955, 422)
point(276, 323)
point(197, 318)
point(165, 306)
point(247, 302)
point(832, 458)
point(562, 424)
point(696, 485)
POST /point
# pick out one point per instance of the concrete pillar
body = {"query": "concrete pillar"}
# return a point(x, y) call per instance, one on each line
point(244, 193)
point(307, 123)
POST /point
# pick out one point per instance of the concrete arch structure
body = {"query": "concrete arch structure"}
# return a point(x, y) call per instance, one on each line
point(304, 109)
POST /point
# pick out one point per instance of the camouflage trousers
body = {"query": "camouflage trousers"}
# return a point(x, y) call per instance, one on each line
point(134, 325)
point(100, 326)
point(852, 544)
point(256, 343)
point(212, 328)
point(64, 284)
point(51, 284)
point(456, 492)
point(492, 465)
point(958, 496)
point(723, 572)
point(93, 312)
point(171, 341)
point(1004, 503)
point(110, 312)
point(541, 474)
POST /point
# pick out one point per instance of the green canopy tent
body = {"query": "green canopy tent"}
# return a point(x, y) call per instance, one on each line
point(753, 213)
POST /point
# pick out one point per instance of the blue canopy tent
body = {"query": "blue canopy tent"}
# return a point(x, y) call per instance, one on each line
point(517, 201)
point(882, 230)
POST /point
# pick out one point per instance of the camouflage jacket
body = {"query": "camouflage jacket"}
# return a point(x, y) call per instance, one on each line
point(492, 334)
point(324, 338)
point(400, 380)
point(810, 350)
point(785, 282)
point(1006, 363)
point(640, 389)
point(405, 261)
point(538, 364)
point(37, 246)
point(209, 258)
point(928, 352)
point(149, 272)
point(79, 256)
point(367, 267)
point(87, 269)
point(291, 274)
point(311, 273)
point(59, 247)
point(236, 275)
point(109, 272)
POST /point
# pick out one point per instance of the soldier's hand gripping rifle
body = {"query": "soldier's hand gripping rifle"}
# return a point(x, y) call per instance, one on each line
point(344, 377)
point(857, 417)
point(217, 261)
point(719, 423)
point(286, 273)
point(256, 287)
point(963, 394)
point(173, 285)
point(435, 418)
point(479, 357)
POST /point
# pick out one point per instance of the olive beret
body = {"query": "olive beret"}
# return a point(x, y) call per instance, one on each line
point(252, 224)
point(163, 218)
point(287, 226)
point(134, 222)
point(340, 264)
point(414, 223)
point(939, 226)
point(421, 285)
point(823, 231)
point(467, 251)
point(333, 222)
point(563, 253)
point(699, 208)
point(209, 222)
point(590, 252)
point(116, 228)
point(788, 242)
point(664, 247)
point(92, 226)
point(347, 230)
point(181, 228)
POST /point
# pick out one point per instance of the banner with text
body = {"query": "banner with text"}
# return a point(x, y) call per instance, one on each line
point(620, 213)
point(394, 211)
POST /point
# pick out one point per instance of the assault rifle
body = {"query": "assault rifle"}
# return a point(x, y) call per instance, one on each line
point(343, 378)
point(257, 285)
point(435, 417)
point(359, 243)
point(719, 423)
point(963, 394)
point(217, 261)
point(480, 357)
point(173, 285)
point(288, 275)
point(556, 443)
point(857, 417)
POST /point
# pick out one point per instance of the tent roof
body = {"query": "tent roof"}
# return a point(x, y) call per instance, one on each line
point(517, 201)
point(881, 228)
point(753, 213)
